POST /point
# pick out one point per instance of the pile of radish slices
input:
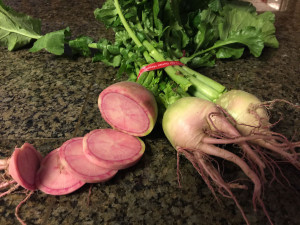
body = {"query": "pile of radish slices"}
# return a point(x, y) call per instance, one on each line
point(128, 107)
point(96, 157)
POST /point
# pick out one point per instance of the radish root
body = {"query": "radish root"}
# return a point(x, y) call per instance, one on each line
point(200, 159)
point(19, 206)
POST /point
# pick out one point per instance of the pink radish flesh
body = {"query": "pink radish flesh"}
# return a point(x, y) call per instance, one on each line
point(71, 154)
point(133, 117)
point(23, 165)
point(52, 178)
point(128, 107)
point(112, 149)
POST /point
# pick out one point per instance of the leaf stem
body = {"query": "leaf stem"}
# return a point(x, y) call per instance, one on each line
point(26, 34)
point(93, 45)
point(212, 83)
point(126, 25)
point(216, 45)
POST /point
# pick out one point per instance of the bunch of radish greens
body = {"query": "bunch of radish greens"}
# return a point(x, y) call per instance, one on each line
point(197, 113)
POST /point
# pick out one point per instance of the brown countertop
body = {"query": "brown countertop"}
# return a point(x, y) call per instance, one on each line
point(46, 100)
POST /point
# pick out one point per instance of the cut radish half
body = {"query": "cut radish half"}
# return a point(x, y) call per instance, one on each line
point(23, 165)
point(52, 177)
point(128, 107)
point(112, 149)
point(74, 160)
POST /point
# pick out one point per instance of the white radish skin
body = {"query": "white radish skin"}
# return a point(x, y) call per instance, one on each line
point(252, 120)
point(242, 106)
point(74, 160)
point(128, 107)
point(112, 149)
point(52, 177)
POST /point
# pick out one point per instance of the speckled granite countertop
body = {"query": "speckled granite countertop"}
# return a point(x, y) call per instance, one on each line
point(45, 100)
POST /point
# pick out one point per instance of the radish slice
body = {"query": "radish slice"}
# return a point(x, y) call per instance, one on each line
point(23, 165)
point(112, 149)
point(72, 157)
point(128, 107)
point(52, 178)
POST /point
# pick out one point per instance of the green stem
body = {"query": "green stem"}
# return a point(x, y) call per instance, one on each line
point(24, 33)
point(205, 90)
point(170, 70)
point(200, 85)
point(210, 82)
point(199, 94)
point(126, 25)
point(187, 59)
point(93, 45)
point(130, 31)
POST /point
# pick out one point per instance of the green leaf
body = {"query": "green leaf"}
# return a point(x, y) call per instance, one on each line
point(268, 29)
point(206, 29)
point(236, 20)
point(236, 24)
point(175, 37)
point(215, 5)
point(249, 36)
point(17, 29)
point(157, 22)
point(107, 14)
point(52, 42)
point(204, 60)
point(246, 6)
point(116, 61)
point(122, 37)
point(81, 45)
point(199, 37)
point(227, 52)
point(171, 92)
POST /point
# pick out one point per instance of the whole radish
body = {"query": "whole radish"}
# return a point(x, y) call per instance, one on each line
point(193, 126)
point(251, 118)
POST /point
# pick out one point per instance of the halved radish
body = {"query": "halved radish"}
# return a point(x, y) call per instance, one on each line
point(20, 170)
point(74, 160)
point(112, 149)
point(52, 177)
point(128, 107)
point(23, 165)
